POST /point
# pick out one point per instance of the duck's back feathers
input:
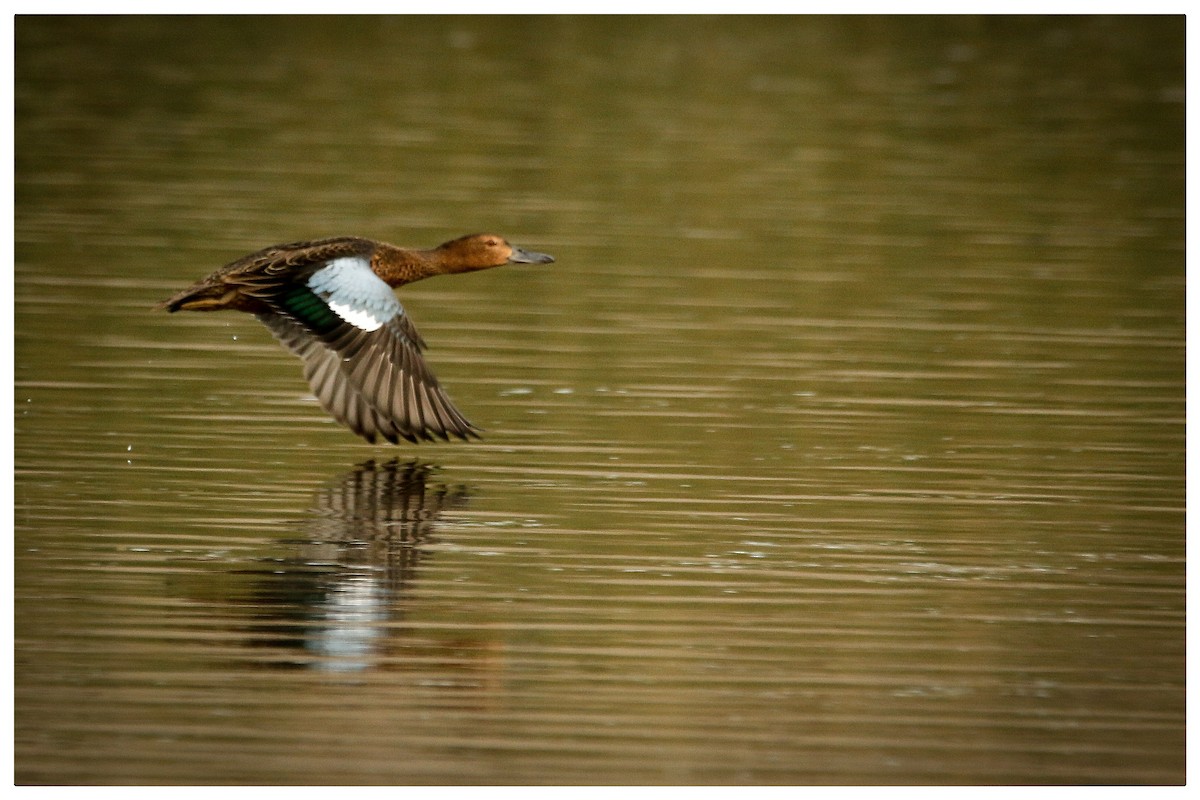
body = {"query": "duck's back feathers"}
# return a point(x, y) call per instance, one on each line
point(242, 285)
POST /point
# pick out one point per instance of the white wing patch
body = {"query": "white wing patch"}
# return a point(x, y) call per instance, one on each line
point(355, 293)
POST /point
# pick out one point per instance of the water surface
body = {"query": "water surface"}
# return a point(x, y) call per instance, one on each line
point(844, 442)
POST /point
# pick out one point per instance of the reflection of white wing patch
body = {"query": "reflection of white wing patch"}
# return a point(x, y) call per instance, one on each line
point(355, 293)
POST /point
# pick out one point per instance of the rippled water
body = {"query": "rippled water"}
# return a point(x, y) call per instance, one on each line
point(844, 442)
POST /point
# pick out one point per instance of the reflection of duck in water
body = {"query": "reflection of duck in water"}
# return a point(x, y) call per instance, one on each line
point(380, 514)
point(331, 303)
point(370, 526)
point(362, 545)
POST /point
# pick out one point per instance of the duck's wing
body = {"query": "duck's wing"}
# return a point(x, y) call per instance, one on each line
point(362, 353)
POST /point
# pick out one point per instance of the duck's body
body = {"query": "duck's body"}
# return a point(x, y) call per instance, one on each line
point(331, 303)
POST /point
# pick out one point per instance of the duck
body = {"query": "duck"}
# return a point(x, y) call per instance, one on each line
point(331, 302)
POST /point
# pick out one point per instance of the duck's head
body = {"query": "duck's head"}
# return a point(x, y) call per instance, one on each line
point(484, 251)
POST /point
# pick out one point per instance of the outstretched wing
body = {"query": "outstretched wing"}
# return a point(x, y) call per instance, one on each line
point(361, 352)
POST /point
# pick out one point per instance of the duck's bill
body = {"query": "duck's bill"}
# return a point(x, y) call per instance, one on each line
point(520, 256)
